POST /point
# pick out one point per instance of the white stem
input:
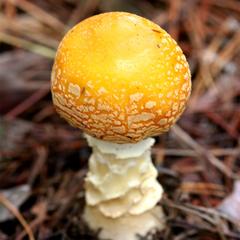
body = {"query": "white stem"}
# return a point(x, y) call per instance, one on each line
point(121, 183)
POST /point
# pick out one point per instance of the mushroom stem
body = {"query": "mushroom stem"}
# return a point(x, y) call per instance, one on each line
point(121, 187)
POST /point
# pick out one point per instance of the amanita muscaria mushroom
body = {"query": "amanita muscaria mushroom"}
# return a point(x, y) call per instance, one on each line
point(121, 79)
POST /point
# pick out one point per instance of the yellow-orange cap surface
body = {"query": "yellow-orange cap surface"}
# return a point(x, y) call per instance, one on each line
point(120, 77)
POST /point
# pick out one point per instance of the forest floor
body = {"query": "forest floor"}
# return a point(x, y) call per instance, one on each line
point(43, 161)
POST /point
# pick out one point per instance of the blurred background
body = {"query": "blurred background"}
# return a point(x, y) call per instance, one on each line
point(43, 160)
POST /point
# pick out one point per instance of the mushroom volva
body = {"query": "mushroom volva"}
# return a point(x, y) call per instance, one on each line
point(122, 79)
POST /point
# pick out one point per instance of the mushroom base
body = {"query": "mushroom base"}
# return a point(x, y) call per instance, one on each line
point(122, 190)
point(129, 227)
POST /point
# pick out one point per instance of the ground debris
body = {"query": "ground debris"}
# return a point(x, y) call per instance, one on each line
point(231, 204)
point(16, 196)
point(198, 161)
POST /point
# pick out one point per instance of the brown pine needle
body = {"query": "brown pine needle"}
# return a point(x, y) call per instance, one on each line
point(28, 45)
point(201, 151)
point(6, 203)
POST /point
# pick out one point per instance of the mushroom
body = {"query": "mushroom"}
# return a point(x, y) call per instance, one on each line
point(121, 79)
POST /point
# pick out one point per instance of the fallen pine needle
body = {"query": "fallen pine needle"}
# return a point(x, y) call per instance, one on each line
point(185, 137)
point(28, 45)
point(5, 202)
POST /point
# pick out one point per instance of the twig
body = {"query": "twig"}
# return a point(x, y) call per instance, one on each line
point(191, 153)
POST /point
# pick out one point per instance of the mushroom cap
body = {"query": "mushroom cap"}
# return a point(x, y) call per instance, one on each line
point(120, 77)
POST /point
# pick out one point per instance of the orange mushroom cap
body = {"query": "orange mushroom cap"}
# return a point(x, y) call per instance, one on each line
point(120, 77)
